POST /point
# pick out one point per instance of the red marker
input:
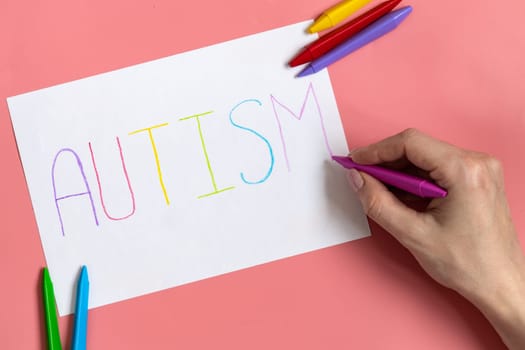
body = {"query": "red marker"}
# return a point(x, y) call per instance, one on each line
point(336, 37)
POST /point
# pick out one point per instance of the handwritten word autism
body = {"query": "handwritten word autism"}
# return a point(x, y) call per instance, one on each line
point(199, 120)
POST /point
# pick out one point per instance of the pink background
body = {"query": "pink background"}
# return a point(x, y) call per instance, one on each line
point(453, 69)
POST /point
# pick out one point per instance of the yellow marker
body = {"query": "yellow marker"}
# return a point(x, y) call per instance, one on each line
point(336, 14)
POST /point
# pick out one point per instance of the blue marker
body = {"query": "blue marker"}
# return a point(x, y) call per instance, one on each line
point(81, 312)
point(382, 26)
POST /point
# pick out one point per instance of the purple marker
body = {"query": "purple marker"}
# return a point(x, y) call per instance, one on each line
point(411, 184)
point(382, 26)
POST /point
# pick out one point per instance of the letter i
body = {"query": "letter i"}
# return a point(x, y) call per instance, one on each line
point(216, 190)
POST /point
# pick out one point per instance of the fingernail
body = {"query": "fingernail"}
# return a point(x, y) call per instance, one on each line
point(355, 179)
point(352, 151)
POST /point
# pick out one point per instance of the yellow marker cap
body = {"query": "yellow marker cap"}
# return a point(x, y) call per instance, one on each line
point(336, 14)
point(321, 23)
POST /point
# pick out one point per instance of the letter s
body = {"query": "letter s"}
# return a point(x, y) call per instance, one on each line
point(270, 150)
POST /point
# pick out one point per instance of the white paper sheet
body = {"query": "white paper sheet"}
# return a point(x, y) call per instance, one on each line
point(173, 197)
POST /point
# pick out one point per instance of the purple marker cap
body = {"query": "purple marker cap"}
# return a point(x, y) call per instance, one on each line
point(411, 184)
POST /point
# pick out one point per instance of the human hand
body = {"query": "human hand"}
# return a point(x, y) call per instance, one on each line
point(466, 241)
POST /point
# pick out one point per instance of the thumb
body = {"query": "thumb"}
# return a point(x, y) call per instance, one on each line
point(383, 207)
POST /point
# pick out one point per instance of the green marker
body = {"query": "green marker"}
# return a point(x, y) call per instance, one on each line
point(53, 334)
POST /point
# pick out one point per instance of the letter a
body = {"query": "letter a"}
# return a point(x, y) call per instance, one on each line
point(85, 193)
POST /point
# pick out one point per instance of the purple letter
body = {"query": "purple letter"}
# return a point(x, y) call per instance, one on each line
point(87, 192)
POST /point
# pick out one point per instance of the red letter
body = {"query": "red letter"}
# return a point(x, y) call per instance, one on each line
point(100, 186)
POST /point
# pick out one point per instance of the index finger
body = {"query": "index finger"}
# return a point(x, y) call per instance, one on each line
point(420, 149)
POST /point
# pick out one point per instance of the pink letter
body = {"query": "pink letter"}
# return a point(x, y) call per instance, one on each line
point(100, 186)
point(309, 92)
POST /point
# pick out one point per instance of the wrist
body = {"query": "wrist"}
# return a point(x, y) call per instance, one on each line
point(503, 304)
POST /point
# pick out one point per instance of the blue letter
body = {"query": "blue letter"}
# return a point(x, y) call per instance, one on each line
point(269, 172)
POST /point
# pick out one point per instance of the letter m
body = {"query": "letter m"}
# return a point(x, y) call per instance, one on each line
point(310, 94)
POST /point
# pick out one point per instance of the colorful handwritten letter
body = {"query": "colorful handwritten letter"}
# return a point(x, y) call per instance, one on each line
point(184, 168)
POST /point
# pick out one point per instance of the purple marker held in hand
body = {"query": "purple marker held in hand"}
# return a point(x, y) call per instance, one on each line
point(411, 184)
